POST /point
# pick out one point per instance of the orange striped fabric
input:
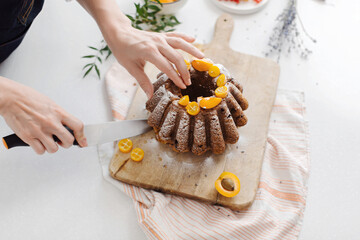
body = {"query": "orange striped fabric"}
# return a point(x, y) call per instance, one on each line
point(278, 209)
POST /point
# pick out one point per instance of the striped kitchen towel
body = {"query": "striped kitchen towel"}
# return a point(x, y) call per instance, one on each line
point(278, 209)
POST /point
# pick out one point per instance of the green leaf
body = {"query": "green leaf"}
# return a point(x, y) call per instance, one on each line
point(175, 19)
point(87, 65)
point(158, 1)
point(88, 56)
point(130, 17)
point(99, 59)
point(154, 7)
point(109, 53)
point(106, 48)
point(138, 27)
point(93, 48)
point(87, 72)
point(97, 71)
point(137, 6)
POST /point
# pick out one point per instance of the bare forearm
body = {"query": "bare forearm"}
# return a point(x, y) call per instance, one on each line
point(107, 15)
point(4, 90)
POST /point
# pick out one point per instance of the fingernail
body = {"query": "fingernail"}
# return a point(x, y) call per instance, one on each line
point(84, 142)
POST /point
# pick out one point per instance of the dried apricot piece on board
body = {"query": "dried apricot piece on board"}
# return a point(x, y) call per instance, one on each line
point(137, 154)
point(125, 145)
point(228, 184)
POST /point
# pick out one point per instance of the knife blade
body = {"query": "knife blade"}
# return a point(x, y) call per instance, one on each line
point(96, 133)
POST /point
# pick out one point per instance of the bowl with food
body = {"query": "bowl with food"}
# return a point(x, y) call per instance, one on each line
point(170, 6)
point(241, 6)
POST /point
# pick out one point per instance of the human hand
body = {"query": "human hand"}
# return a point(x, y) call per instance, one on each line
point(35, 118)
point(133, 47)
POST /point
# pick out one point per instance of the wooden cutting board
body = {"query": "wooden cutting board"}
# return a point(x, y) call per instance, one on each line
point(191, 176)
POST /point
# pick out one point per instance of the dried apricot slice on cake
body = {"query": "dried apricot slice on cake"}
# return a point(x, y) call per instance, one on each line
point(184, 101)
point(221, 81)
point(221, 92)
point(193, 108)
point(188, 64)
point(214, 71)
point(201, 65)
point(209, 102)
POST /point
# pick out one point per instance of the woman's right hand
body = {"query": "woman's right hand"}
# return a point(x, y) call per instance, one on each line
point(35, 118)
point(133, 48)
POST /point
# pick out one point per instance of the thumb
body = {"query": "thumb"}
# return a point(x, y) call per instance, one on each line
point(78, 128)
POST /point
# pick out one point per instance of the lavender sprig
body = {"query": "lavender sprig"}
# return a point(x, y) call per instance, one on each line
point(286, 34)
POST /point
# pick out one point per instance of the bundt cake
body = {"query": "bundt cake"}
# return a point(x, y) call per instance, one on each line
point(202, 117)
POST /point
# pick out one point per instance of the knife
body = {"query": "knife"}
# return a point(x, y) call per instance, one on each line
point(95, 133)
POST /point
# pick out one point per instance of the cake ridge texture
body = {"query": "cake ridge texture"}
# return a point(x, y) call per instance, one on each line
point(209, 130)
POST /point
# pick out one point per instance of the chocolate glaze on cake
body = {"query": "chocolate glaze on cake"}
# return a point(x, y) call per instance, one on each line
point(211, 129)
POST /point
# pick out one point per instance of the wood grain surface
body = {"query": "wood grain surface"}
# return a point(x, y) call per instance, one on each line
point(191, 176)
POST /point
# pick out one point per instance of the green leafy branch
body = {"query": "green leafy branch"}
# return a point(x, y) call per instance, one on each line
point(102, 54)
point(147, 18)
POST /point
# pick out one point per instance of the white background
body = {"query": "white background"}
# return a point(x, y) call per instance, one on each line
point(63, 196)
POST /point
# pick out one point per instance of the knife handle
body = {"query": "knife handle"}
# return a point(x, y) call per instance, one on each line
point(13, 140)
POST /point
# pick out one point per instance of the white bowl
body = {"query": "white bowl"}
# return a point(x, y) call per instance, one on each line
point(171, 8)
point(241, 8)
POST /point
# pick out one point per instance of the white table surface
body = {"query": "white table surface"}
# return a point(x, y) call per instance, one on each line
point(63, 196)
